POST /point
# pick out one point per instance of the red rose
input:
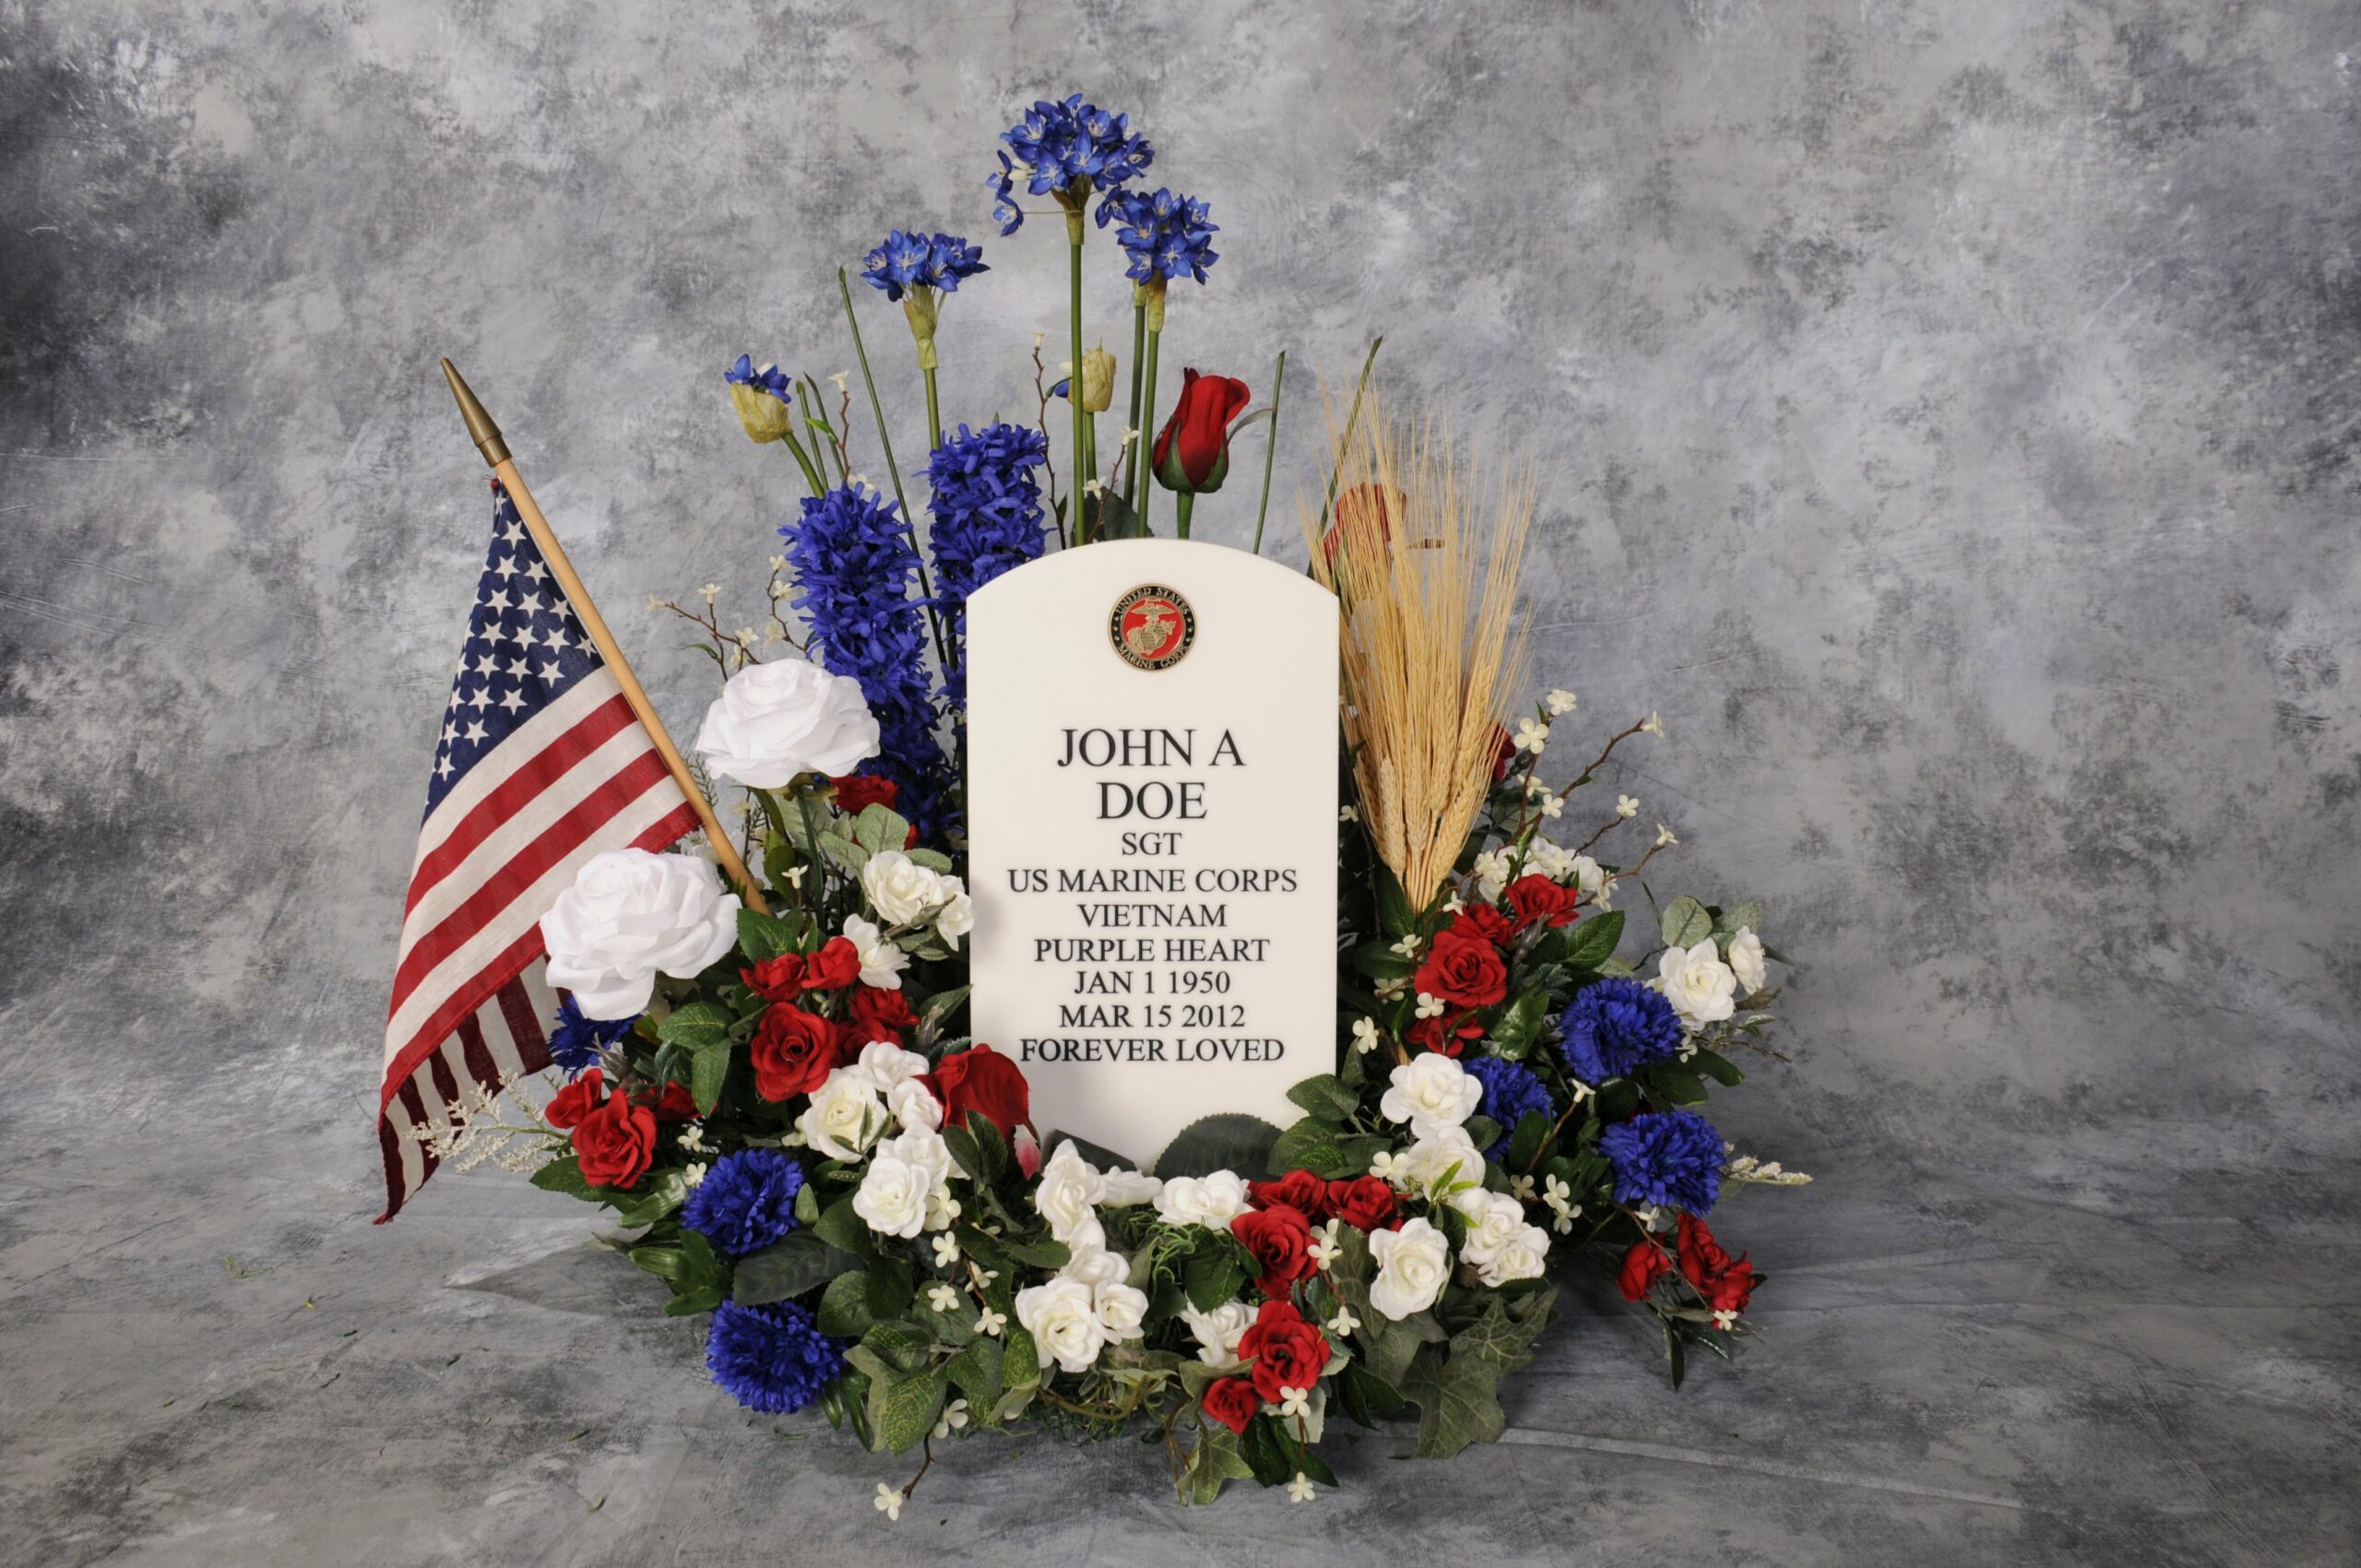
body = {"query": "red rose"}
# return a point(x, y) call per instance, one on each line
point(857, 791)
point(1296, 1189)
point(1286, 1351)
point(1193, 451)
point(879, 1013)
point(1463, 971)
point(1232, 1401)
point(1365, 513)
point(1504, 751)
point(776, 979)
point(980, 1078)
point(1642, 1265)
point(675, 1104)
point(1279, 1240)
point(793, 1052)
point(1445, 1035)
point(1536, 897)
point(836, 966)
point(1726, 1285)
point(1365, 1202)
point(580, 1099)
point(1480, 922)
point(615, 1144)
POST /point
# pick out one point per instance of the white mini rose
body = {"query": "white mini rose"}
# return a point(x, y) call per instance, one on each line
point(891, 1199)
point(1095, 1266)
point(1069, 1186)
point(1063, 1317)
point(1213, 1200)
point(914, 1106)
point(1122, 1310)
point(772, 721)
point(923, 1149)
point(888, 1064)
point(1436, 1166)
point(1589, 875)
point(1746, 960)
point(1493, 1221)
point(1124, 1188)
point(1698, 984)
point(1521, 1256)
point(1431, 1092)
point(902, 891)
point(630, 916)
point(1412, 1265)
point(957, 916)
point(1218, 1331)
point(844, 1115)
point(881, 963)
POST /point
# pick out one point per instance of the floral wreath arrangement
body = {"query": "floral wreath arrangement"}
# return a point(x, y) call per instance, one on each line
point(795, 1135)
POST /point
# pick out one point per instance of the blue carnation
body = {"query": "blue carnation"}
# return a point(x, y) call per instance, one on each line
point(1511, 1092)
point(773, 1358)
point(1612, 1027)
point(854, 567)
point(576, 1042)
point(914, 261)
point(987, 507)
point(746, 1201)
point(1070, 149)
point(766, 378)
point(1669, 1157)
point(1166, 236)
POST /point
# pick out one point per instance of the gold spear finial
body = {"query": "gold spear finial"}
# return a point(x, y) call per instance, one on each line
point(480, 425)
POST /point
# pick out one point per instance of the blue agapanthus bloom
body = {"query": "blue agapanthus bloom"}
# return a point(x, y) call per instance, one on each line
point(746, 1201)
point(1667, 1157)
point(1511, 1092)
point(1615, 1025)
point(766, 378)
point(1071, 150)
point(854, 564)
point(915, 261)
point(576, 1042)
point(987, 507)
point(773, 1358)
point(1166, 236)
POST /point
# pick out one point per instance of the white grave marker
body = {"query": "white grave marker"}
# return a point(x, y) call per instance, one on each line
point(1152, 835)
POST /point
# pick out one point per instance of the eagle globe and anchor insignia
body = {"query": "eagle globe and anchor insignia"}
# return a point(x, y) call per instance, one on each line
point(1151, 627)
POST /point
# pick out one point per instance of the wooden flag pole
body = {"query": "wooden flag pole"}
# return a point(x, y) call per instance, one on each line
point(495, 452)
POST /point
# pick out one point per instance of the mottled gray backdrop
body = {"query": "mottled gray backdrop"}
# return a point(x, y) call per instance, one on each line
point(1952, 423)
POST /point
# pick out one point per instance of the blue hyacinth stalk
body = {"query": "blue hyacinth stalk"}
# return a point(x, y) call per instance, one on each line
point(854, 567)
point(1167, 236)
point(987, 507)
point(916, 272)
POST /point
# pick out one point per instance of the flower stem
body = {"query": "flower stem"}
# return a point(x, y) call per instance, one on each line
point(836, 441)
point(1183, 503)
point(1345, 446)
point(1139, 347)
point(933, 412)
point(803, 461)
point(1270, 448)
point(1074, 233)
point(893, 471)
point(1146, 453)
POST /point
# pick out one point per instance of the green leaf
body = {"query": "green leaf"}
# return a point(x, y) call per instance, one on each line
point(1740, 917)
point(1268, 1451)
point(1367, 1397)
point(902, 1410)
point(1379, 961)
point(904, 1346)
point(1216, 1272)
point(1525, 1148)
point(663, 1196)
point(1216, 1460)
point(1686, 922)
point(933, 860)
point(665, 1262)
point(1322, 1149)
point(688, 1303)
point(1677, 1083)
point(1229, 1141)
point(991, 1147)
point(975, 1372)
point(1457, 1390)
point(798, 1261)
point(708, 1070)
point(1719, 1068)
point(1520, 1022)
point(1045, 1252)
point(1387, 1346)
point(1394, 911)
point(1594, 941)
point(878, 829)
point(563, 1174)
point(763, 937)
point(1676, 1353)
point(854, 1303)
point(845, 1230)
point(1325, 1096)
point(699, 1026)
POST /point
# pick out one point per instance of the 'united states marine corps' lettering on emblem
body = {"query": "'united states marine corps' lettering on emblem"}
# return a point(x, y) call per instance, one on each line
point(1151, 627)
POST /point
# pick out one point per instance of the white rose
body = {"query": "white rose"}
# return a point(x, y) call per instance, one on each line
point(1069, 1186)
point(1218, 1331)
point(1548, 859)
point(1696, 983)
point(1449, 1158)
point(1412, 1264)
point(1746, 960)
point(957, 916)
point(1211, 1201)
point(1123, 1188)
point(902, 891)
point(891, 1200)
point(889, 1065)
point(629, 916)
point(1493, 1221)
point(1589, 875)
point(772, 721)
point(1063, 1317)
point(1095, 1266)
point(881, 963)
point(913, 1106)
point(923, 1150)
point(1431, 1092)
point(1521, 1256)
point(1122, 1310)
point(844, 1115)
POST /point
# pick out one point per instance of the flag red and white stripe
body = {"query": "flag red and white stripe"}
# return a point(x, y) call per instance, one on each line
point(541, 765)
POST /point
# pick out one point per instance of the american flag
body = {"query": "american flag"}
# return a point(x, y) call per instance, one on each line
point(541, 765)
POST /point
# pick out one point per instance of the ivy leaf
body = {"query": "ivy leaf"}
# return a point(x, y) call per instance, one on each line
point(1216, 1460)
point(1686, 922)
point(1457, 1390)
point(1229, 1141)
point(902, 1410)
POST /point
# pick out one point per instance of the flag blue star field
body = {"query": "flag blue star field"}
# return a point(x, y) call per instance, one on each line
point(540, 766)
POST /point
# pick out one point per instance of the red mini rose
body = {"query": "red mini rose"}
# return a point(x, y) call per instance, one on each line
point(1536, 897)
point(1642, 1268)
point(981, 1079)
point(1286, 1351)
point(1193, 451)
point(675, 1104)
point(1463, 971)
point(615, 1144)
point(857, 791)
point(1232, 1401)
point(1504, 751)
point(1445, 1035)
point(776, 979)
point(1478, 923)
point(879, 1013)
point(1279, 1240)
point(1726, 1284)
point(1365, 1202)
point(1296, 1189)
point(793, 1053)
point(580, 1099)
point(836, 966)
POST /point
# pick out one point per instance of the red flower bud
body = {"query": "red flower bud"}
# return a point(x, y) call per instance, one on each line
point(981, 1079)
point(1193, 451)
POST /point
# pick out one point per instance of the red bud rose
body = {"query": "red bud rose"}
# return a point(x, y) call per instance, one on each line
point(981, 1079)
point(1193, 451)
